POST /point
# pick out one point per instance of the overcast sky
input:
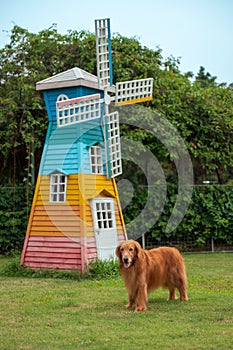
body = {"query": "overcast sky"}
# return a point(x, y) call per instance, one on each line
point(200, 32)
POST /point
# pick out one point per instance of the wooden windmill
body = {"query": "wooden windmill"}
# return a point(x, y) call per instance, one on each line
point(76, 215)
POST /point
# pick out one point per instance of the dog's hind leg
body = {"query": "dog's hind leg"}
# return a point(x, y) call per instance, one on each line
point(182, 287)
point(183, 294)
point(172, 294)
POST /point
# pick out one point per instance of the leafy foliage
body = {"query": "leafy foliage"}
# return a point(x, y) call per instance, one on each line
point(209, 216)
point(13, 218)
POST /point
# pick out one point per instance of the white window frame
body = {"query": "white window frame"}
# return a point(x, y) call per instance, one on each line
point(58, 187)
point(96, 159)
point(62, 97)
point(103, 213)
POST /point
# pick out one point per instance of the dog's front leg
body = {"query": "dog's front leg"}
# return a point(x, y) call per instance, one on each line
point(131, 303)
point(141, 298)
point(131, 298)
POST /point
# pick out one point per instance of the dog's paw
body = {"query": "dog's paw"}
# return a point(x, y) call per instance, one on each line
point(128, 306)
point(140, 308)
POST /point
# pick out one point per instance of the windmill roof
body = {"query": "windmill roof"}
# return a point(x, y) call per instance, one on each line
point(72, 77)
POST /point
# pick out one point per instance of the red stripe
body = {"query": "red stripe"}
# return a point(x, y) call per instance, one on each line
point(78, 100)
point(58, 252)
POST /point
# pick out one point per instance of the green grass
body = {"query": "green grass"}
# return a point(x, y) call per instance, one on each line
point(97, 269)
point(39, 313)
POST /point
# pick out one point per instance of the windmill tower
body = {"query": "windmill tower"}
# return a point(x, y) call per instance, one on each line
point(76, 215)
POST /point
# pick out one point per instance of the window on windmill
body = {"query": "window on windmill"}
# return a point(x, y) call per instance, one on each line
point(96, 161)
point(62, 97)
point(58, 184)
point(104, 215)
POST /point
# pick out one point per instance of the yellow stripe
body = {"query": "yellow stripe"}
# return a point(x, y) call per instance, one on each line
point(80, 189)
point(72, 221)
point(33, 204)
point(74, 217)
point(138, 100)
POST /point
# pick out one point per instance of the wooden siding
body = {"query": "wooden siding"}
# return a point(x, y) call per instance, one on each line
point(61, 220)
point(67, 148)
point(74, 217)
point(80, 189)
point(72, 195)
point(57, 252)
point(72, 221)
point(61, 141)
point(92, 186)
point(52, 224)
point(60, 252)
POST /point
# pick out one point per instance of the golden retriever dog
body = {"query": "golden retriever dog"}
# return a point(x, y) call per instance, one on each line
point(146, 270)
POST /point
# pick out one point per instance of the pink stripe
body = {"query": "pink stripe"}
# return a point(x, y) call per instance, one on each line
point(78, 100)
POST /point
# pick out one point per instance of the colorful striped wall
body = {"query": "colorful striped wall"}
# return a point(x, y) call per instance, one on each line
point(67, 149)
point(61, 235)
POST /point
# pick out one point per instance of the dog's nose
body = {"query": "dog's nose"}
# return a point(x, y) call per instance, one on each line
point(126, 260)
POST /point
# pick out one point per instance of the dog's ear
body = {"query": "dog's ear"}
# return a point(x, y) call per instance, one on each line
point(138, 249)
point(118, 251)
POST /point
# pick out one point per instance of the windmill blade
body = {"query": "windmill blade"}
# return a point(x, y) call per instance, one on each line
point(112, 144)
point(103, 51)
point(77, 110)
point(134, 91)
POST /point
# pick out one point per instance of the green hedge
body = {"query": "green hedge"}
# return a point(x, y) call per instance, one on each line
point(210, 215)
point(13, 218)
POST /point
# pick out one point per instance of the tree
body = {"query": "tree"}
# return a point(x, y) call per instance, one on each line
point(203, 116)
point(205, 79)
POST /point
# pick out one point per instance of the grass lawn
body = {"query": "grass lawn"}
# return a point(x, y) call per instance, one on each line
point(65, 314)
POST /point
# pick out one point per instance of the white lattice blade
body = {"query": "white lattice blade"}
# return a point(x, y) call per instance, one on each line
point(134, 91)
point(103, 51)
point(77, 110)
point(112, 145)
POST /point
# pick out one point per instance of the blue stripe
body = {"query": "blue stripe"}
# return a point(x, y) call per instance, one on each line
point(67, 148)
point(45, 148)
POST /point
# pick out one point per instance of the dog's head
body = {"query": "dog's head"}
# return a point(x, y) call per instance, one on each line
point(128, 252)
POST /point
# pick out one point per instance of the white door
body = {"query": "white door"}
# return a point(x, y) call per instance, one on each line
point(105, 227)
